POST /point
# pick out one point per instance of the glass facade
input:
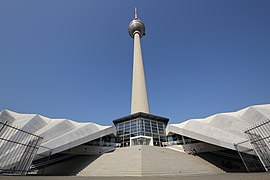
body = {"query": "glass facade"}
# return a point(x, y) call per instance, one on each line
point(176, 139)
point(140, 127)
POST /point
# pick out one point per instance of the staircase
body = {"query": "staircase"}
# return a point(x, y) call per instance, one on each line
point(147, 161)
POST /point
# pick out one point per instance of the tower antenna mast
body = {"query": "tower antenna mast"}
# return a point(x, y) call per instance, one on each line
point(136, 13)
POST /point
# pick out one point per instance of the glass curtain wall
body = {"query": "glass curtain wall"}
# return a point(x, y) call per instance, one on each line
point(141, 127)
point(176, 139)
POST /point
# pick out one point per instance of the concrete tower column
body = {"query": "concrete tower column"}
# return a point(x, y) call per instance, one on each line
point(139, 99)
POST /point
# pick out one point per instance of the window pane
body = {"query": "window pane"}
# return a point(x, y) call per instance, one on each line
point(147, 122)
point(154, 127)
point(147, 126)
point(120, 129)
point(140, 125)
point(147, 134)
point(133, 127)
point(160, 128)
point(127, 127)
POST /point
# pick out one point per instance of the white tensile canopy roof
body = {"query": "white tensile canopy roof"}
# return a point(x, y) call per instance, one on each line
point(224, 129)
point(58, 134)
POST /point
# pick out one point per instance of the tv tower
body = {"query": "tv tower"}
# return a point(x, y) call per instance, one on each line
point(139, 100)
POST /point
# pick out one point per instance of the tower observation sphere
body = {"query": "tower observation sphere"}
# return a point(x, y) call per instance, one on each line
point(136, 26)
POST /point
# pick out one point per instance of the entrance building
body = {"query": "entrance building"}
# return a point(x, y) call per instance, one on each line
point(141, 129)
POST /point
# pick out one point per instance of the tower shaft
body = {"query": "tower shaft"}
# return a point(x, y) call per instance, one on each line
point(139, 101)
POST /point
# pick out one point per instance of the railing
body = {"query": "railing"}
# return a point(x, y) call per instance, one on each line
point(41, 160)
point(18, 148)
point(259, 137)
point(248, 156)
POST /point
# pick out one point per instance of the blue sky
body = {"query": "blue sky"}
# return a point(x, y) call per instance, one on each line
point(73, 59)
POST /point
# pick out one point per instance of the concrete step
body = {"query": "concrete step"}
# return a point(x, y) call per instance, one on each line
point(179, 149)
point(147, 160)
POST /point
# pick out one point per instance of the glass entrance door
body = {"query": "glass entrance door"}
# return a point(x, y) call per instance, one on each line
point(141, 140)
